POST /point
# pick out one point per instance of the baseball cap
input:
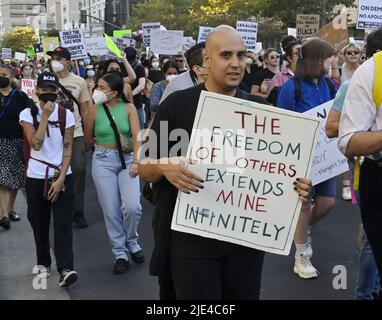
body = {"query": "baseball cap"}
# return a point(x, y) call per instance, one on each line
point(61, 52)
point(47, 79)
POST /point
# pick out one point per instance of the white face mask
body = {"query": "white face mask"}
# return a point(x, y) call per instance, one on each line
point(100, 97)
point(91, 73)
point(155, 65)
point(170, 77)
point(57, 66)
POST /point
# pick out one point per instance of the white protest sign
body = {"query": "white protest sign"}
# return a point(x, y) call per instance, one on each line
point(27, 86)
point(369, 14)
point(129, 41)
point(166, 42)
point(74, 41)
point(147, 28)
point(328, 161)
point(307, 25)
point(96, 46)
point(203, 33)
point(292, 32)
point(6, 53)
point(188, 43)
point(259, 47)
point(248, 32)
point(248, 155)
point(20, 56)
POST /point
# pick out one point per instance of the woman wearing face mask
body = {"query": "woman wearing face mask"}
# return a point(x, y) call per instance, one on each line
point(316, 88)
point(120, 69)
point(48, 129)
point(12, 102)
point(170, 71)
point(264, 77)
point(90, 76)
point(114, 172)
point(155, 72)
point(252, 66)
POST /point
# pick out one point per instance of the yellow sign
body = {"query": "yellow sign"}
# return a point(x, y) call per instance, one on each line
point(49, 44)
point(112, 46)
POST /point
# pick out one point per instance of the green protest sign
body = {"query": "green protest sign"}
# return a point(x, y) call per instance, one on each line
point(120, 33)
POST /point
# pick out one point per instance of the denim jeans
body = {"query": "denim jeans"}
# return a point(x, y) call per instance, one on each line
point(119, 197)
point(368, 276)
point(142, 117)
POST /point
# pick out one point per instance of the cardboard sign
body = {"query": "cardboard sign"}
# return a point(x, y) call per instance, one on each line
point(20, 56)
point(96, 46)
point(147, 28)
point(49, 44)
point(28, 86)
point(74, 41)
point(248, 32)
point(6, 53)
point(335, 32)
point(307, 25)
point(168, 42)
point(328, 161)
point(369, 14)
point(120, 33)
point(203, 33)
point(248, 155)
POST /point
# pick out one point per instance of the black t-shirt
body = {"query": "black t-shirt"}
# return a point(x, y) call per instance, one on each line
point(262, 79)
point(156, 76)
point(10, 127)
point(179, 110)
point(140, 72)
point(248, 79)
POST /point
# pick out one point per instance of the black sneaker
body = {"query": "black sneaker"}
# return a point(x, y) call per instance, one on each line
point(67, 278)
point(79, 220)
point(13, 216)
point(5, 223)
point(120, 266)
point(138, 257)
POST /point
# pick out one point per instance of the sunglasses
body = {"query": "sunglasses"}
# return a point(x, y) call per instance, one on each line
point(349, 53)
point(274, 57)
point(178, 60)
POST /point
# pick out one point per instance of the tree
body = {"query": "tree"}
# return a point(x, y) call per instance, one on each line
point(286, 11)
point(20, 39)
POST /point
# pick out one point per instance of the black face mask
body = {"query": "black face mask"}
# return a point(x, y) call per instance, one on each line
point(117, 72)
point(4, 82)
point(45, 97)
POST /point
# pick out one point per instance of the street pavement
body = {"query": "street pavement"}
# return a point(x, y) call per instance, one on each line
point(333, 241)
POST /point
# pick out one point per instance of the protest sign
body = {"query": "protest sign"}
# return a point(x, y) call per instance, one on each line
point(112, 46)
point(20, 56)
point(188, 43)
point(129, 41)
point(248, 155)
point(369, 14)
point(120, 33)
point(248, 32)
point(31, 52)
point(292, 32)
point(259, 47)
point(6, 53)
point(335, 32)
point(307, 25)
point(147, 28)
point(328, 161)
point(203, 33)
point(96, 46)
point(74, 41)
point(166, 42)
point(49, 44)
point(27, 86)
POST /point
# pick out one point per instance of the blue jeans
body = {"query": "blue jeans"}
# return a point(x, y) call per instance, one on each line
point(142, 117)
point(119, 196)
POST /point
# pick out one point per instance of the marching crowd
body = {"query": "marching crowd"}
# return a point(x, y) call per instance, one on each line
point(104, 105)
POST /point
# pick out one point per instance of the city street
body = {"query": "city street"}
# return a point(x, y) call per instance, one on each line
point(333, 245)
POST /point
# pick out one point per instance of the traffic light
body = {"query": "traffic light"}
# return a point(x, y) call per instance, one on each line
point(83, 16)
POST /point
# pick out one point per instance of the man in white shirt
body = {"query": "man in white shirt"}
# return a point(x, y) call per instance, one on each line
point(196, 75)
point(360, 134)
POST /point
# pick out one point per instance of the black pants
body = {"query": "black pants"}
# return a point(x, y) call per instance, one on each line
point(370, 190)
point(207, 269)
point(39, 212)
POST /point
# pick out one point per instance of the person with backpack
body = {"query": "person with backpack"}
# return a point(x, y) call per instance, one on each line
point(12, 102)
point(48, 129)
point(360, 134)
point(310, 88)
point(75, 96)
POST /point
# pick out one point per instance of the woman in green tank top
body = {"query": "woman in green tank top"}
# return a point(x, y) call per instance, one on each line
point(114, 172)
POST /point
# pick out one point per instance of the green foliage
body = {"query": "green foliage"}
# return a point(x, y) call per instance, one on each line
point(20, 39)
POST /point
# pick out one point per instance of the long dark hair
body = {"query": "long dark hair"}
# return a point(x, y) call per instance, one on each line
point(115, 83)
point(109, 62)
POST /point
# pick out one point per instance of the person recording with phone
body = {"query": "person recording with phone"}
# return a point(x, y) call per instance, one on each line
point(48, 129)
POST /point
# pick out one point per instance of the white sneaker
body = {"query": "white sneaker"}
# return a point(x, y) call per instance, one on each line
point(304, 268)
point(346, 193)
point(44, 272)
